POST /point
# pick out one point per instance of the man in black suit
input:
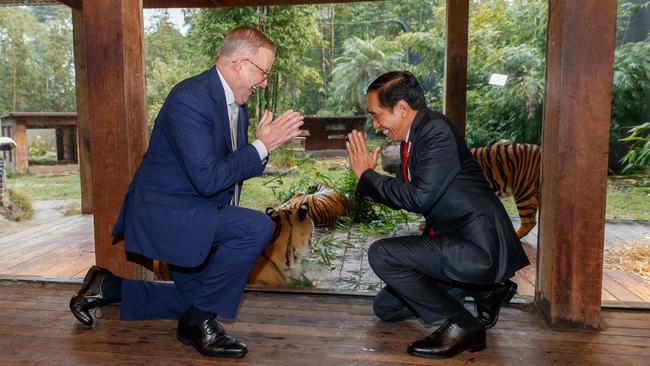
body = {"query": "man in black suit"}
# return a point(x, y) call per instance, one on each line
point(469, 246)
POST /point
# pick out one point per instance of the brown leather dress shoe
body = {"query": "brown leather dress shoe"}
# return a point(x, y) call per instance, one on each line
point(449, 340)
point(488, 308)
point(210, 339)
point(90, 295)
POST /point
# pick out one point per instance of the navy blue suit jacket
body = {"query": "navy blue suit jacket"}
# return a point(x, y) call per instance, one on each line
point(172, 206)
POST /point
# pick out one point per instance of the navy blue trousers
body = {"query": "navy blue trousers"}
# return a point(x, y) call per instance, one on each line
point(217, 285)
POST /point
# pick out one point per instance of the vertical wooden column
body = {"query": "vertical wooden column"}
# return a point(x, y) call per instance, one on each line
point(117, 111)
point(455, 90)
point(83, 132)
point(20, 138)
point(577, 102)
point(60, 143)
point(69, 144)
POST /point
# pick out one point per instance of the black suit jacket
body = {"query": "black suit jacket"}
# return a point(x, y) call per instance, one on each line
point(478, 241)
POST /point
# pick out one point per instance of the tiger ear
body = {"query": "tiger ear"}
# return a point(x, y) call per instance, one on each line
point(270, 211)
point(302, 211)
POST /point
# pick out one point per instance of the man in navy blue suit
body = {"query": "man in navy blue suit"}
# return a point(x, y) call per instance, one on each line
point(181, 206)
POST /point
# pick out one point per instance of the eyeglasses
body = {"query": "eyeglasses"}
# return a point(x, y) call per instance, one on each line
point(266, 74)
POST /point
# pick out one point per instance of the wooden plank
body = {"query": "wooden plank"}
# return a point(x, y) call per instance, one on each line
point(576, 122)
point(455, 89)
point(83, 119)
point(36, 327)
point(632, 282)
point(118, 130)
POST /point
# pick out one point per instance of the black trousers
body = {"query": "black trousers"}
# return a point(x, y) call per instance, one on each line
point(411, 266)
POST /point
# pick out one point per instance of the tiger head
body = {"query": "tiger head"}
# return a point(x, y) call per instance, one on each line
point(291, 241)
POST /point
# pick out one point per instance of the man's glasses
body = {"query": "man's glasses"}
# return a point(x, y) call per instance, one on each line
point(266, 74)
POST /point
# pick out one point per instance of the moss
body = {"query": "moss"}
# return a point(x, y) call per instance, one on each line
point(22, 209)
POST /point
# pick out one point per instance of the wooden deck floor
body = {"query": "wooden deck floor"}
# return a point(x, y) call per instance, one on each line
point(36, 328)
point(63, 248)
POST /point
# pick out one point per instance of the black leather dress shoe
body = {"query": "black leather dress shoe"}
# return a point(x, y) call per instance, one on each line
point(488, 308)
point(449, 340)
point(90, 295)
point(210, 339)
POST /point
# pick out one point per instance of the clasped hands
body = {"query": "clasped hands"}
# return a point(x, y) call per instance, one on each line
point(360, 158)
point(275, 132)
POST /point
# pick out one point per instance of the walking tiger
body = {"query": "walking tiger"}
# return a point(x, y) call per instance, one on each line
point(513, 169)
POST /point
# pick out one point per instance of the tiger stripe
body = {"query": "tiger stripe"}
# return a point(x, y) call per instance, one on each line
point(325, 205)
point(513, 169)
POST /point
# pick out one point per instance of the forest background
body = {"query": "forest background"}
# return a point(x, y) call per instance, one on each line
point(327, 55)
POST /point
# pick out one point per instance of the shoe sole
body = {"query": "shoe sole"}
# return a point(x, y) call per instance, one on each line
point(190, 343)
point(471, 349)
point(506, 300)
point(86, 280)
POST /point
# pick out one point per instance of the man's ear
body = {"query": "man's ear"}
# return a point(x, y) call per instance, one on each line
point(403, 108)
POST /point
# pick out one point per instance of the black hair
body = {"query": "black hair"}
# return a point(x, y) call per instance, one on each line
point(394, 86)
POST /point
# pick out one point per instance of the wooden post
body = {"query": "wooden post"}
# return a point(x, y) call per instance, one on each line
point(117, 111)
point(83, 133)
point(20, 138)
point(455, 90)
point(577, 103)
point(60, 144)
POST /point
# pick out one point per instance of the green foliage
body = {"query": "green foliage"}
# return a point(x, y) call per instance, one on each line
point(325, 249)
point(36, 62)
point(630, 95)
point(168, 60)
point(361, 62)
point(629, 203)
point(282, 158)
point(637, 158)
point(46, 187)
point(37, 148)
point(506, 38)
point(294, 31)
point(24, 204)
point(301, 282)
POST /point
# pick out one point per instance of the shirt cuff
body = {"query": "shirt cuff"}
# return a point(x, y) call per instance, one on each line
point(261, 149)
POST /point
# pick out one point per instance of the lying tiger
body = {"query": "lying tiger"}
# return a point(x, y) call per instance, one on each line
point(325, 205)
point(513, 169)
point(279, 263)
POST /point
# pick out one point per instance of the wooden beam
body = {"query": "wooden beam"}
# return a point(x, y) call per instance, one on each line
point(577, 103)
point(73, 4)
point(83, 132)
point(233, 3)
point(117, 110)
point(455, 89)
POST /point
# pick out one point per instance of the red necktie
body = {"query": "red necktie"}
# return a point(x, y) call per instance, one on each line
point(406, 146)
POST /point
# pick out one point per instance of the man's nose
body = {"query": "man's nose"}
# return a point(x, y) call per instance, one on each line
point(264, 83)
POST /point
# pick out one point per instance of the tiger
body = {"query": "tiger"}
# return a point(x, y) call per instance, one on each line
point(279, 263)
point(291, 240)
point(512, 168)
point(325, 205)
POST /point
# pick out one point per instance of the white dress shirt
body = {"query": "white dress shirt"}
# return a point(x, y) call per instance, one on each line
point(233, 110)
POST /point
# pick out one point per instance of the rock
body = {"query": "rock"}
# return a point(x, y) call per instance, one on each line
point(390, 159)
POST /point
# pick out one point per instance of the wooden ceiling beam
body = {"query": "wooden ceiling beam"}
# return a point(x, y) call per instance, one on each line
point(233, 3)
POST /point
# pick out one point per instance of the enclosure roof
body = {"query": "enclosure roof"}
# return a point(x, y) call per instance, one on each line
point(181, 3)
point(39, 114)
point(28, 2)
